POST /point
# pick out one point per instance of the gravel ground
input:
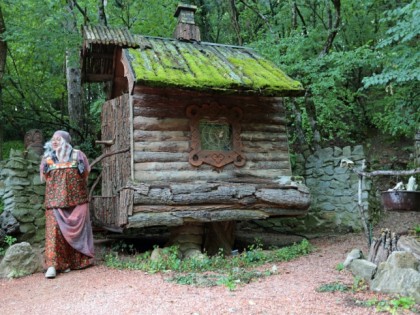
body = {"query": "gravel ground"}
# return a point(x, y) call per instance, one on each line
point(101, 290)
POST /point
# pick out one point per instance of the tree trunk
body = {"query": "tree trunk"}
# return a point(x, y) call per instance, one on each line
point(74, 83)
point(219, 236)
point(235, 21)
point(74, 94)
point(333, 27)
point(101, 13)
point(3, 52)
point(294, 15)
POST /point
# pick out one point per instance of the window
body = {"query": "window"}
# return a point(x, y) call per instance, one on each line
point(215, 135)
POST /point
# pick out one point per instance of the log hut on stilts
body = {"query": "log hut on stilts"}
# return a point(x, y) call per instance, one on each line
point(199, 131)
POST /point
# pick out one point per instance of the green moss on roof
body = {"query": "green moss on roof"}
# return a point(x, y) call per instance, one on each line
point(172, 63)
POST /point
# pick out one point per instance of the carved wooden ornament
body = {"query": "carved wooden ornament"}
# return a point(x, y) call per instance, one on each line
point(218, 115)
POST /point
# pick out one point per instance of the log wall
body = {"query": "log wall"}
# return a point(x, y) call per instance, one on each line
point(161, 133)
point(166, 189)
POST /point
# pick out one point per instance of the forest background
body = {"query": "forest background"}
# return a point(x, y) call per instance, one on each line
point(357, 59)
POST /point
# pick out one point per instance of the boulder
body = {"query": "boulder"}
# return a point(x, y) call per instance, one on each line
point(354, 254)
point(8, 223)
point(363, 268)
point(410, 244)
point(20, 260)
point(398, 275)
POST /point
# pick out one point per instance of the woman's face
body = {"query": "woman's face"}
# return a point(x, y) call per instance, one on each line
point(55, 142)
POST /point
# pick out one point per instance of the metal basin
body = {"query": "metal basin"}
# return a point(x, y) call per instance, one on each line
point(401, 200)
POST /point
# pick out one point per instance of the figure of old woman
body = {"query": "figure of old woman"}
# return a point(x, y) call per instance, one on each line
point(68, 239)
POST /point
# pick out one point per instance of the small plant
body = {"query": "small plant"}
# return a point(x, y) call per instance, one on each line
point(417, 229)
point(340, 267)
point(359, 284)
point(332, 287)
point(123, 247)
point(9, 241)
point(393, 306)
point(18, 273)
point(206, 270)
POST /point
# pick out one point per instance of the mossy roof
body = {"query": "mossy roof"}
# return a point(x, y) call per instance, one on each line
point(164, 62)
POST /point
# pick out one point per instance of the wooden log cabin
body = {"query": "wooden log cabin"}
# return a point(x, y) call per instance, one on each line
point(198, 130)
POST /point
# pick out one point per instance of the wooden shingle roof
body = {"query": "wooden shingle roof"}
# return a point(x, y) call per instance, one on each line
point(208, 66)
point(108, 36)
point(167, 62)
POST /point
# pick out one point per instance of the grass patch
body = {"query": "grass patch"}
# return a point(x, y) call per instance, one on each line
point(204, 270)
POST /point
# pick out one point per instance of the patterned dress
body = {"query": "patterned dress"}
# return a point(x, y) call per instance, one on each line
point(68, 239)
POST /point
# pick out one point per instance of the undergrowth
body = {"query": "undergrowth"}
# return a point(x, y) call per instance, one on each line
point(205, 270)
point(6, 241)
point(393, 305)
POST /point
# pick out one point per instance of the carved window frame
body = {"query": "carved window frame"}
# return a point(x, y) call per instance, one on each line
point(217, 113)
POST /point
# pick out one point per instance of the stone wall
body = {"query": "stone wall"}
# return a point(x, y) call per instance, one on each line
point(22, 194)
point(417, 149)
point(334, 195)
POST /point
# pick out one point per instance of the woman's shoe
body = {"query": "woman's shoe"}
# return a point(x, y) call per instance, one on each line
point(51, 273)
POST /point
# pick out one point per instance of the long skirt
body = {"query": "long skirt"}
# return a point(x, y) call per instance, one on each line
point(58, 252)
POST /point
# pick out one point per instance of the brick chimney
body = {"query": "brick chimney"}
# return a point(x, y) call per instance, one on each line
point(186, 28)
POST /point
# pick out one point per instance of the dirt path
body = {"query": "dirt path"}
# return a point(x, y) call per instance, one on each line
point(100, 290)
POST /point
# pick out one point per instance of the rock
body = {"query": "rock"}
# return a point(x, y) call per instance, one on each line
point(363, 268)
point(354, 254)
point(398, 275)
point(8, 223)
point(409, 244)
point(193, 253)
point(20, 260)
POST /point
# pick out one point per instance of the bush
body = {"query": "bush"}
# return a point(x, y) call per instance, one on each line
point(7, 146)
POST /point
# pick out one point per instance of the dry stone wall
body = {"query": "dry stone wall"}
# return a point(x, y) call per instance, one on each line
point(22, 195)
point(334, 194)
point(417, 149)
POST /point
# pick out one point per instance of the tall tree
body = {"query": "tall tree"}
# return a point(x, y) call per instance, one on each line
point(3, 54)
point(397, 74)
point(333, 27)
point(73, 77)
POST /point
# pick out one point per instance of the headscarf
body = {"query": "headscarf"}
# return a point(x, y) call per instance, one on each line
point(64, 151)
point(63, 134)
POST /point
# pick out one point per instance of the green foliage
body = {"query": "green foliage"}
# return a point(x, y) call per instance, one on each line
point(359, 284)
point(394, 306)
point(396, 79)
point(368, 78)
point(401, 60)
point(9, 241)
point(340, 267)
point(204, 270)
point(15, 273)
point(333, 287)
point(291, 252)
point(147, 17)
point(15, 145)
